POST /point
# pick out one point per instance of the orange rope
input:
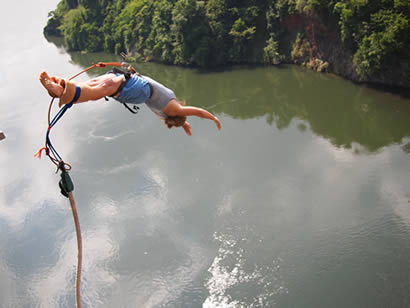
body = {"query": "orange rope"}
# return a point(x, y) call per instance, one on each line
point(99, 64)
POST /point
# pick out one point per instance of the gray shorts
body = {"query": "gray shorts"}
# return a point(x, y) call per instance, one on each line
point(160, 98)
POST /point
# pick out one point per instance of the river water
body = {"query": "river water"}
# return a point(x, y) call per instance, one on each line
point(301, 200)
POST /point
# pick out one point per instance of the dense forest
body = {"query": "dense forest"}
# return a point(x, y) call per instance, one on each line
point(364, 40)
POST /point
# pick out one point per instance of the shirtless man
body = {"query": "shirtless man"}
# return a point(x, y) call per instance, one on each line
point(128, 89)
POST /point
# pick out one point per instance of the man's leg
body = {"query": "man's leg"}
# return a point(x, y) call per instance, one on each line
point(99, 87)
point(99, 80)
point(93, 89)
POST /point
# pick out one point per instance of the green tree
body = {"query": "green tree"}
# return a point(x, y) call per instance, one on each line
point(189, 33)
point(159, 41)
point(132, 26)
point(73, 22)
point(271, 51)
point(218, 19)
point(385, 40)
point(241, 34)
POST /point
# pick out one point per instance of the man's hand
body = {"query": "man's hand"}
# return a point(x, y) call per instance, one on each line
point(218, 123)
point(187, 128)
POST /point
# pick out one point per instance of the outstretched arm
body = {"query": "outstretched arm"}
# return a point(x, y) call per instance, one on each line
point(199, 112)
point(175, 109)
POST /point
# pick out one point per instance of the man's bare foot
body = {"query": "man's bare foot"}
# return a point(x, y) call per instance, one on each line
point(53, 88)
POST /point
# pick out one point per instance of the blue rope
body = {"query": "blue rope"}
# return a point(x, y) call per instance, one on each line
point(60, 114)
point(58, 117)
point(53, 122)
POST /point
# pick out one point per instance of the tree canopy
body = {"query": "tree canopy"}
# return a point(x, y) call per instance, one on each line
point(370, 37)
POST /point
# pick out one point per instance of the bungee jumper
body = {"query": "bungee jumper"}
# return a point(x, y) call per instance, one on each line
point(127, 87)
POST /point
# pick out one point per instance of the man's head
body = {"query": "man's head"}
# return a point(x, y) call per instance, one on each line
point(176, 121)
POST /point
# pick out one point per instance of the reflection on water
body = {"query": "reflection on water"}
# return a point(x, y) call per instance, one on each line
point(365, 116)
point(301, 200)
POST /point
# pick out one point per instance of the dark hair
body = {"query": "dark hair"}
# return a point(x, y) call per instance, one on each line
point(176, 121)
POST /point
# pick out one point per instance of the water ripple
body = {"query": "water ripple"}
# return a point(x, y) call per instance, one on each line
point(237, 282)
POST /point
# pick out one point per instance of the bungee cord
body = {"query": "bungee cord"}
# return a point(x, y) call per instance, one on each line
point(66, 185)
